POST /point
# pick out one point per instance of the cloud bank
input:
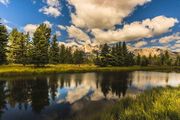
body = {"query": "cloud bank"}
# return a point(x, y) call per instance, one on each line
point(102, 13)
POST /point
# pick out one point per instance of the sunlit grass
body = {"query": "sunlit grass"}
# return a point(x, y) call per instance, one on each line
point(157, 104)
point(30, 69)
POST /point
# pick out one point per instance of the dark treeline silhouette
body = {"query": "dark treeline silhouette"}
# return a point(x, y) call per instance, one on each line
point(118, 55)
point(19, 48)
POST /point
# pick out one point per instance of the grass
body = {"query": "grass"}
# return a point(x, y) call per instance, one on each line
point(6, 70)
point(157, 104)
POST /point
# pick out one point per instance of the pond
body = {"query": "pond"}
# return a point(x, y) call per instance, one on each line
point(62, 96)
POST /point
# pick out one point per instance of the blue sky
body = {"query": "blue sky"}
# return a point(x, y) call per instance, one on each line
point(89, 22)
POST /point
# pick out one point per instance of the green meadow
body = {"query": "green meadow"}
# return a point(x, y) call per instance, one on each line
point(15, 69)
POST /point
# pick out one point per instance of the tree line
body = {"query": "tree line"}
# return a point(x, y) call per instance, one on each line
point(41, 49)
point(19, 48)
point(119, 55)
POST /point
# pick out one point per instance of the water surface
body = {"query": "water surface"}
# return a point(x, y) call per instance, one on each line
point(61, 96)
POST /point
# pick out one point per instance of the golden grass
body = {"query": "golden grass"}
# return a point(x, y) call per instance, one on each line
point(14, 69)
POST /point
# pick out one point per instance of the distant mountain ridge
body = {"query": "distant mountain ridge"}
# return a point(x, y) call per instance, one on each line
point(152, 51)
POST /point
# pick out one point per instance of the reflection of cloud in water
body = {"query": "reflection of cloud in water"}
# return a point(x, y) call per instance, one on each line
point(144, 80)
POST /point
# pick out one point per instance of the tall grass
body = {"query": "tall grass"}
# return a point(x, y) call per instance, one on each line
point(157, 104)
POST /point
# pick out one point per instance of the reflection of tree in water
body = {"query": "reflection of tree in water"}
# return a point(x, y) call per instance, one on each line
point(66, 80)
point(22, 92)
point(117, 83)
point(62, 81)
point(18, 92)
point(53, 85)
point(40, 97)
point(105, 84)
point(78, 79)
point(2, 97)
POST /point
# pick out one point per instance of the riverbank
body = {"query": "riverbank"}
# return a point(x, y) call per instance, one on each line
point(9, 70)
point(156, 104)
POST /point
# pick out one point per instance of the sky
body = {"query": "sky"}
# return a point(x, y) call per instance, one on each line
point(88, 23)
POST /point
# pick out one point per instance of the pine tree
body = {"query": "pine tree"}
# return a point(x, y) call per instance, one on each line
point(29, 49)
point(150, 59)
point(144, 61)
point(69, 56)
point(119, 54)
point(105, 52)
point(3, 44)
point(78, 57)
point(22, 57)
point(138, 60)
point(114, 57)
point(54, 51)
point(17, 47)
point(62, 54)
point(41, 45)
point(177, 61)
point(162, 59)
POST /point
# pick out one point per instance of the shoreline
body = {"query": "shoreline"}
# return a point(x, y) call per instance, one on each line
point(14, 70)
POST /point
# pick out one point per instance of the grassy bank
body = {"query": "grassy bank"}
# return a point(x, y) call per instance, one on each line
point(157, 104)
point(6, 70)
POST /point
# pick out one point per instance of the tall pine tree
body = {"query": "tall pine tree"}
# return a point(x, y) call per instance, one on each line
point(54, 51)
point(62, 54)
point(41, 45)
point(3, 43)
point(78, 57)
point(105, 52)
point(17, 47)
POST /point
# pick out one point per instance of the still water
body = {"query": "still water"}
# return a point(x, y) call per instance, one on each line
point(60, 96)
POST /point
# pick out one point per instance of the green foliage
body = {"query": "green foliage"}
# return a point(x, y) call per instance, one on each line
point(117, 55)
point(144, 61)
point(3, 44)
point(62, 58)
point(177, 61)
point(78, 57)
point(41, 45)
point(69, 55)
point(17, 47)
point(54, 51)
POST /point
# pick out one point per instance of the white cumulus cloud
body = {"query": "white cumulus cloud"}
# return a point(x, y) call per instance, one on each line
point(58, 33)
point(78, 34)
point(48, 24)
point(49, 10)
point(137, 30)
point(61, 27)
point(170, 38)
point(52, 8)
point(102, 13)
point(140, 44)
point(30, 28)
